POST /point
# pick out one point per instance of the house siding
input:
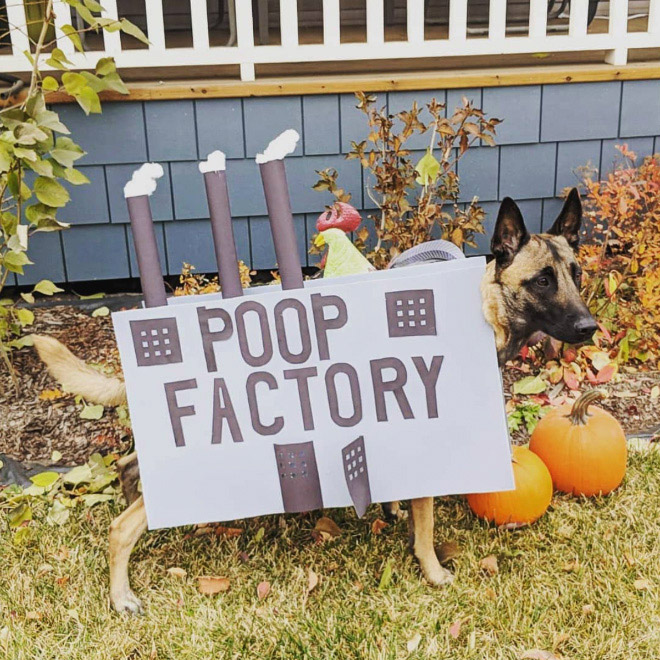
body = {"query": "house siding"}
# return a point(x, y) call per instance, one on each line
point(548, 131)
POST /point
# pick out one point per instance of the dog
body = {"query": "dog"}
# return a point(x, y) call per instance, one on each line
point(531, 285)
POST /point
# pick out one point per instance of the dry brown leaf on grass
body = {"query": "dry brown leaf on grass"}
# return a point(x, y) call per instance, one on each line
point(325, 530)
point(212, 584)
point(177, 572)
point(537, 654)
point(489, 565)
point(559, 640)
point(263, 589)
point(229, 532)
point(4, 639)
point(377, 526)
point(413, 643)
point(630, 560)
point(641, 584)
point(588, 609)
point(571, 566)
point(312, 580)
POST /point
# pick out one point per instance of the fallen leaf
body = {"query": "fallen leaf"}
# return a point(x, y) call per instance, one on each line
point(56, 456)
point(154, 653)
point(490, 593)
point(447, 551)
point(386, 577)
point(655, 391)
point(630, 560)
point(244, 557)
point(455, 629)
point(529, 385)
point(571, 379)
point(51, 395)
point(92, 412)
point(259, 535)
point(641, 584)
point(606, 374)
point(571, 566)
point(489, 565)
point(413, 643)
point(4, 639)
point(33, 616)
point(263, 589)
point(177, 572)
point(537, 654)
point(332, 566)
point(312, 580)
point(101, 311)
point(588, 609)
point(212, 584)
point(327, 526)
point(62, 581)
point(377, 526)
point(229, 532)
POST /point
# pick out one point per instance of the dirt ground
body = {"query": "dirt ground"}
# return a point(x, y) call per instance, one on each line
point(37, 419)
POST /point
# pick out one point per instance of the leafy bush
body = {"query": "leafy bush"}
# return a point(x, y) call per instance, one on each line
point(411, 198)
point(37, 154)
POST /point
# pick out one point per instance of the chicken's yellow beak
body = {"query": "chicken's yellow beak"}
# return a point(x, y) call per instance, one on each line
point(319, 241)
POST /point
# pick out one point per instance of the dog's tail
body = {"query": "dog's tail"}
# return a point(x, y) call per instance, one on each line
point(77, 377)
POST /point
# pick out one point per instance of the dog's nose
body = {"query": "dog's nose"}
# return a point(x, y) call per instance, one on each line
point(585, 327)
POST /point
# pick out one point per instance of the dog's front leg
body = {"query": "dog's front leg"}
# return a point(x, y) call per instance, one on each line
point(125, 530)
point(422, 542)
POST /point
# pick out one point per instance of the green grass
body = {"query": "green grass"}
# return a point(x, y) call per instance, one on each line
point(567, 584)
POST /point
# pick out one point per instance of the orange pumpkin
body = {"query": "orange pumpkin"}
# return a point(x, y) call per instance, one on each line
point(528, 502)
point(584, 447)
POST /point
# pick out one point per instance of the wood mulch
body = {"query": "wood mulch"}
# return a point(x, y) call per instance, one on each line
point(33, 426)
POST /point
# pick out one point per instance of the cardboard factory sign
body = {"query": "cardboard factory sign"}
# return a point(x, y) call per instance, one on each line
point(345, 392)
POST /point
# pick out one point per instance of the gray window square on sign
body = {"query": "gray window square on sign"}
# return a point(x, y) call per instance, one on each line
point(156, 342)
point(410, 313)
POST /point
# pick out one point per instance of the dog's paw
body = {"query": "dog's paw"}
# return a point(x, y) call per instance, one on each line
point(438, 576)
point(127, 601)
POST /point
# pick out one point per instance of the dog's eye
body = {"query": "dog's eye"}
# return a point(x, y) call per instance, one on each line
point(543, 281)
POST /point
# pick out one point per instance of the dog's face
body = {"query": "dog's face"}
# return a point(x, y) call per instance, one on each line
point(539, 275)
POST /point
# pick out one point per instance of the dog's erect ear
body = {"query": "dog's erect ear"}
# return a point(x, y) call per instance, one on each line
point(510, 233)
point(569, 221)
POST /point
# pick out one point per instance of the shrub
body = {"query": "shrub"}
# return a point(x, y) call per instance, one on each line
point(412, 197)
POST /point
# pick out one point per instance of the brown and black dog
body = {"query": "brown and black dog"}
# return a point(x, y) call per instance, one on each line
point(532, 285)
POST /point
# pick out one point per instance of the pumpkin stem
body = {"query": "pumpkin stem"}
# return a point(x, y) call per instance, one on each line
point(579, 412)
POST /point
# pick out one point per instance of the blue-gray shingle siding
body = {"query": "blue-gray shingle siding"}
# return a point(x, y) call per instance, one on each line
point(548, 131)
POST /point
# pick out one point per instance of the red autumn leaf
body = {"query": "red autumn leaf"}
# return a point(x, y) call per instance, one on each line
point(570, 354)
point(455, 629)
point(606, 374)
point(377, 526)
point(605, 331)
point(591, 377)
point(524, 352)
point(230, 532)
point(571, 379)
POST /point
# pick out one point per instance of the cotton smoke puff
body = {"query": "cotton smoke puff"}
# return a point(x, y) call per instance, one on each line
point(143, 181)
point(215, 162)
point(340, 216)
point(284, 144)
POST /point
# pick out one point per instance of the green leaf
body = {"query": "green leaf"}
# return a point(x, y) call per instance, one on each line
point(50, 192)
point(24, 316)
point(50, 84)
point(25, 154)
point(45, 479)
point(46, 287)
point(56, 456)
point(22, 342)
point(23, 535)
point(92, 412)
point(5, 158)
point(42, 167)
point(386, 577)
point(29, 298)
point(76, 177)
point(74, 83)
point(14, 261)
point(50, 119)
point(101, 311)
point(92, 5)
point(259, 535)
point(89, 101)
point(94, 498)
point(58, 513)
point(109, 24)
point(134, 31)
point(17, 516)
point(66, 151)
point(105, 66)
point(17, 187)
point(18, 241)
point(78, 475)
point(530, 385)
point(73, 35)
point(113, 82)
point(27, 133)
point(58, 60)
point(428, 169)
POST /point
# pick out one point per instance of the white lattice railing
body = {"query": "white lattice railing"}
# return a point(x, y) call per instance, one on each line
point(497, 39)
